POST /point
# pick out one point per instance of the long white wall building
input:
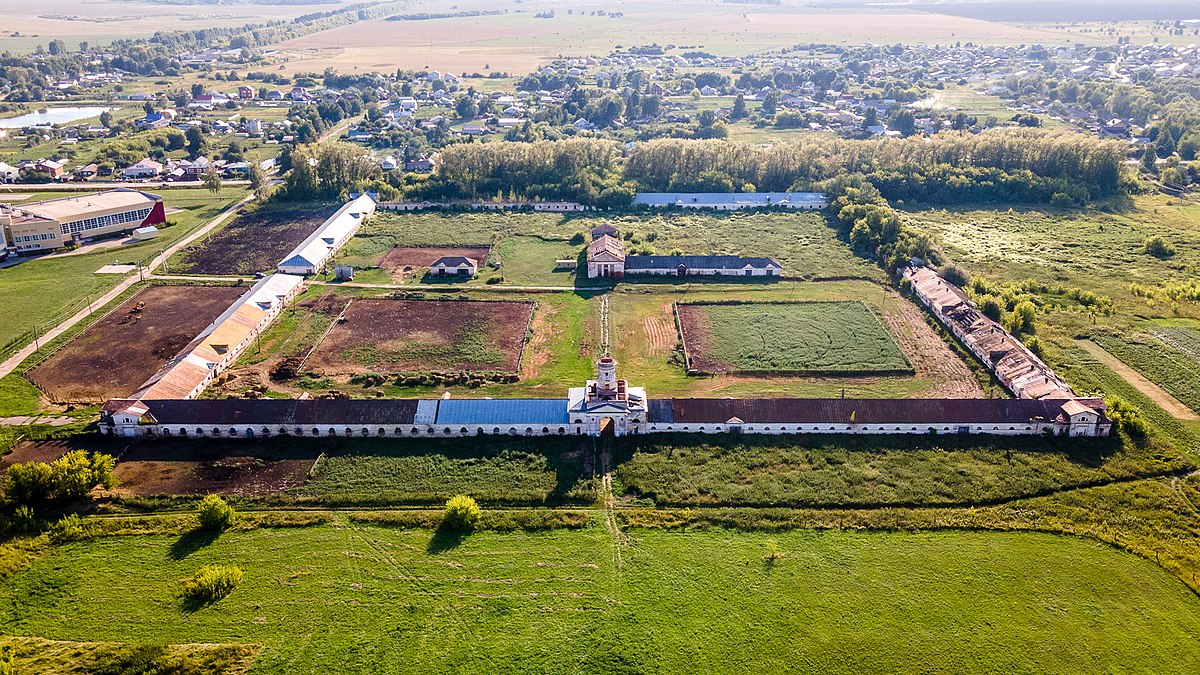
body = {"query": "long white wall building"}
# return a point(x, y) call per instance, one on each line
point(319, 248)
point(603, 405)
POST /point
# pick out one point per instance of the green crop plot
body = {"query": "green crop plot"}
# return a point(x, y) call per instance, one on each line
point(803, 337)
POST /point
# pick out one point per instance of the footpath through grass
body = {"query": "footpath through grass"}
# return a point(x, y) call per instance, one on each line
point(356, 598)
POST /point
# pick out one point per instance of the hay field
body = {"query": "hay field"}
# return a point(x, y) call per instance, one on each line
point(516, 41)
point(102, 21)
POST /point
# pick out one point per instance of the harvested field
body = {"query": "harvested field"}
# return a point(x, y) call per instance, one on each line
point(113, 357)
point(403, 336)
point(929, 354)
point(255, 242)
point(402, 262)
point(235, 468)
point(832, 338)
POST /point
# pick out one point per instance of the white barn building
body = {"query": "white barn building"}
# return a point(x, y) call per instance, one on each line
point(319, 247)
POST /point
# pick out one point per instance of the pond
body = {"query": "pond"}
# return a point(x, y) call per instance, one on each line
point(51, 116)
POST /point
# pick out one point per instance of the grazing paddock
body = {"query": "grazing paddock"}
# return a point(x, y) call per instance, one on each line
point(253, 242)
point(404, 261)
point(405, 336)
point(831, 338)
point(117, 354)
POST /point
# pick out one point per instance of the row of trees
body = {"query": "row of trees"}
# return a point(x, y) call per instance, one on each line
point(1022, 165)
point(1087, 165)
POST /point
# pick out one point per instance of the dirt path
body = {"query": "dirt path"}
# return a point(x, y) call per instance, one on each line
point(619, 539)
point(604, 324)
point(1150, 390)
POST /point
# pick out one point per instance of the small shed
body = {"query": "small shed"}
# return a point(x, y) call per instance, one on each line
point(343, 273)
point(144, 233)
point(453, 265)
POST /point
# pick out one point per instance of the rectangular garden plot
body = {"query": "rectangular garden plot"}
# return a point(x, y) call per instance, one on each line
point(412, 336)
point(799, 338)
point(404, 261)
point(254, 242)
point(114, 356)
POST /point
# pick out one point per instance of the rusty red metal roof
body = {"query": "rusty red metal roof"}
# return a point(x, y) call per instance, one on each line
point(857, 411)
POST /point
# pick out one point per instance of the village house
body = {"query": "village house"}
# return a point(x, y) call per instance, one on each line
point(456, 266)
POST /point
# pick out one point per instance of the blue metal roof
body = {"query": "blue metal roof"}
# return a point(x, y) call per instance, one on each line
point(526, 411)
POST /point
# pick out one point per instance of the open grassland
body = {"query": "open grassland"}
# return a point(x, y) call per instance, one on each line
point(529, 243)
point(518, 41)
point(43, 291)
point(399, 336)
point(37, 655)
point(348, 598)
point(824, 471)
point(1096, 250)
point(835, 338)
point(1160, 361)
point(102, 22)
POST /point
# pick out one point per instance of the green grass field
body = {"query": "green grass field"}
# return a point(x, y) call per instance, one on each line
point(827, 471)
point(808, 337)
point(350, 598)
point(1093, 249)
point(522, 471)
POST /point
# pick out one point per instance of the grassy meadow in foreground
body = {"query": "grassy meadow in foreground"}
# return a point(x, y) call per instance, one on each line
point(353, 597)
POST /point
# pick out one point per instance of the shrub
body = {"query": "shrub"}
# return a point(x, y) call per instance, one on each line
point(69, 477)
point(955, 275)
point(212, 583)
point(69, 528)
point(1158, 247)
point(215, 514)
point(577, 239)
point(462, 513)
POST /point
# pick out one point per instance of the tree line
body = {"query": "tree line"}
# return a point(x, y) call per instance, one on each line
point(1010, 165)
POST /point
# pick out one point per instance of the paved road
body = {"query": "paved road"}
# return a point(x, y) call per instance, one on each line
point(15, 360)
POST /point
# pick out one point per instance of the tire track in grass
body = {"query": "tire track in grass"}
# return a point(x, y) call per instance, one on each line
point(409, 577)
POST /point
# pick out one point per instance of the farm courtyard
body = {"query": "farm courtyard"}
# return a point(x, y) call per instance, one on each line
point(400, 336)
